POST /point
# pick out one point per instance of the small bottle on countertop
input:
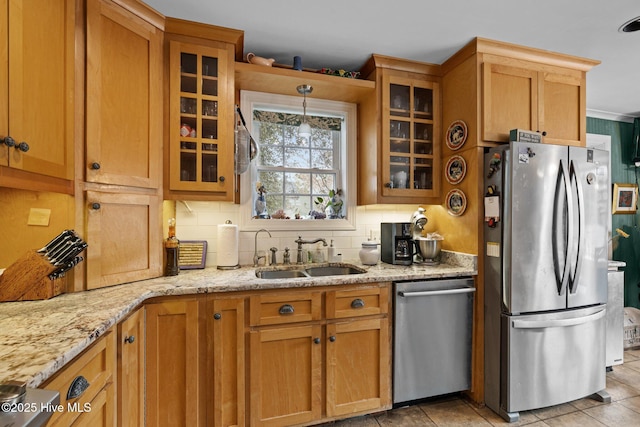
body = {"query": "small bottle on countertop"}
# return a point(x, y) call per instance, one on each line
point(172, 248)
point(331, 253)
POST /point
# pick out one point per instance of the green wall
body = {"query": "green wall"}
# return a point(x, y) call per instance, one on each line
point(623, 171)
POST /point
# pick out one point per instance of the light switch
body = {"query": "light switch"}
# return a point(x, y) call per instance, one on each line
point(39, 216)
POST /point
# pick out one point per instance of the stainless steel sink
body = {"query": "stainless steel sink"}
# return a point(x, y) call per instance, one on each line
point(311, 271)
point(280, 274)
point(330, 270)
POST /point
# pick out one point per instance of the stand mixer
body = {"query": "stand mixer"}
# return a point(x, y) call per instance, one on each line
point(428, 248)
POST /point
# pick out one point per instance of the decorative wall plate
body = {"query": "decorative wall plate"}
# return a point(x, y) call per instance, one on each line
point(455, 170)
point(456, 135)
point(456, 202)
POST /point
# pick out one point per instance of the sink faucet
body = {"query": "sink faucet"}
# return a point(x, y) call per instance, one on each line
point(301, 242)
point(256, 257)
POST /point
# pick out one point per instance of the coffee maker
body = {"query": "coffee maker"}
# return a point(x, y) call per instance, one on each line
point(397, 246)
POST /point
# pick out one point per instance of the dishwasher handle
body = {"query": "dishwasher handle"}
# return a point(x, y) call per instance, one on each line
point(434, 293)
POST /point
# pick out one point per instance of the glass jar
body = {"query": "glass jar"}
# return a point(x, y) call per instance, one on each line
point(369, 254)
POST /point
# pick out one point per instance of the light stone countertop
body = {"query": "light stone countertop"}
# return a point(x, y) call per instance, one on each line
point(37, 338)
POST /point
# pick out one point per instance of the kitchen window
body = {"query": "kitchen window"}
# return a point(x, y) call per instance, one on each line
point(299, 183)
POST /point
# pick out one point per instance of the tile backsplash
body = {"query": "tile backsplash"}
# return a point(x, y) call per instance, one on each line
point(199, 221)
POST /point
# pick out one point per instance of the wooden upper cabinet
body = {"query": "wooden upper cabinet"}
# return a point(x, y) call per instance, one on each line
point(399, 137)
point(37, 88)
point(562, 111)
point(124, 97)
point(523, 98)
point(201, 137)
point(510, 101)
point(123, 234)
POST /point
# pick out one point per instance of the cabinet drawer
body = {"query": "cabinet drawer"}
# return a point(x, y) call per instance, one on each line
point(357, 302)
point(289, 307)
point(97, 366)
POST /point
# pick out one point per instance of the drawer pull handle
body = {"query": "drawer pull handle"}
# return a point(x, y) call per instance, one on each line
point(357, 303)
point(77, 387)
point(130, 339)
point(286, 309)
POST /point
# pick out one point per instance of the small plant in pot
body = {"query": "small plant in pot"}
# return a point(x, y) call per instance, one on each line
point(332, 206)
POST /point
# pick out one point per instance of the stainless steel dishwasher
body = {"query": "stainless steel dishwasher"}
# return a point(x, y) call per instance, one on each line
point(432, 338)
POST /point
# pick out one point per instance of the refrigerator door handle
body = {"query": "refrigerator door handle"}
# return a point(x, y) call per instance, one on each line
point(579, 244)
point(561, 271)
point(557, 323)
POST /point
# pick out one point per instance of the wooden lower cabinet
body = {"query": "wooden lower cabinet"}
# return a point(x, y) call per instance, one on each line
point(226, 356)
point(94, 405)
point(336, 366)
point(131, 370)
point(269, 358)
point(286, 375)
point(173, 359)
point(357, 366)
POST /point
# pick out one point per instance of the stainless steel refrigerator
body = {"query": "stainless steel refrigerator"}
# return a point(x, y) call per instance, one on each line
point(545, 231)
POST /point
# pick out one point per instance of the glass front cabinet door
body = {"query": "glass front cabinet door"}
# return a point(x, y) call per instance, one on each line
point(201, 127)
point(410, 138)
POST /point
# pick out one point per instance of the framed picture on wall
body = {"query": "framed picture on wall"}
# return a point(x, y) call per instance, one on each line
point(625, 198)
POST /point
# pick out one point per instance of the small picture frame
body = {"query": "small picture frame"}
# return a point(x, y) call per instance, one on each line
point(625, 198)
point(192, 254)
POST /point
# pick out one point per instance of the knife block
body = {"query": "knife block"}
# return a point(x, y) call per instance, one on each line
point(27, 279)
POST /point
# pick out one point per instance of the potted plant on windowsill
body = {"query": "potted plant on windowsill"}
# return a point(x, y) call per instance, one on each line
point(331, 207)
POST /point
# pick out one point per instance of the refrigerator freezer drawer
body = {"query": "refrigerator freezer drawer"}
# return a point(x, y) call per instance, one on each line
point(553, 358)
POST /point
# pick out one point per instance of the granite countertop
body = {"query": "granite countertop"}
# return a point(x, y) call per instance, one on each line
point(38, 338)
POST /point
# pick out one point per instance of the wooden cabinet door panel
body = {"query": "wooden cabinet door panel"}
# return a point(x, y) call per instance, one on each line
point(285, 307)
point(124, 97)
point(124, 238)
point(563, 110)
point(286, 375)
point(510, 101)
point(226, 341)
point(41, 78)
point(101, 413)
point(172, 350)
point(357, 366)
point(131, 370)
point(97, 365)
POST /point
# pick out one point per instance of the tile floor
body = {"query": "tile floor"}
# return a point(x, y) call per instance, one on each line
point(623, 384)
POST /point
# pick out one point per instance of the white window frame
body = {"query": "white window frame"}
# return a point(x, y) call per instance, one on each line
point(249, 101)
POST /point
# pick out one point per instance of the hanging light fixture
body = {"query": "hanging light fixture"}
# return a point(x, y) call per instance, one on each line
point(304, 131)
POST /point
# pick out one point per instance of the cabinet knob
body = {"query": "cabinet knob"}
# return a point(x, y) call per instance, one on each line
point(217, 316)
point(316, 340)
point(332, 338)
point(95, 206)
point(9, 142)
point(286, 309)
point(95, 166)
point(221, 179)
point(357, 303)
point(23, 146)
point(130, 339)
point(389, 184)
